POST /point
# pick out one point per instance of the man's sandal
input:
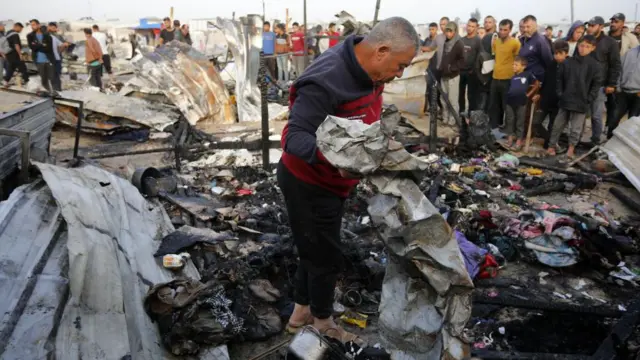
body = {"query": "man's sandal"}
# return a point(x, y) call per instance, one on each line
point(293, 329)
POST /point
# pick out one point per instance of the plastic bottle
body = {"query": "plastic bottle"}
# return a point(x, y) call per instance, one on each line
point(173, 261)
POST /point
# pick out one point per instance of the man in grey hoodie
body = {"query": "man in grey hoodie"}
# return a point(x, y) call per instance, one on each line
point(628, 100)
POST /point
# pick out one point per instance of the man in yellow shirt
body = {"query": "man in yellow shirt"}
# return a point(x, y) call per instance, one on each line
point(505, 48)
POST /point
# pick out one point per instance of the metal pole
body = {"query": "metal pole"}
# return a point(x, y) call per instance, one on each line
point(572, 12)
point(264, 16)
point(265, 111)
point(375, 15)
point(76, 144)
point(636, 17)
point(306, 48)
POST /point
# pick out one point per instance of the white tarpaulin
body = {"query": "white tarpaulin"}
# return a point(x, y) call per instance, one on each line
point(421, 317)
point(407, 93)
point(623, 149)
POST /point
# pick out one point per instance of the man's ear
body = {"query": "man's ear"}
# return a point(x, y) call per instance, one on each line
point(382, 51)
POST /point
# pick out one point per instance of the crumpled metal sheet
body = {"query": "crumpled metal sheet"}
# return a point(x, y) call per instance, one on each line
point(426, 293)
point(112, 235)
point(408, 92)
point(137, 110)
point(623, 150)
point(188, 79)
point(364, 149)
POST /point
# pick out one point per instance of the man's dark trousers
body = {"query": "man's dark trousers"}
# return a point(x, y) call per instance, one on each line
point(14, 63)
point(498, 101)
point(625, 103)
point(469, 87)
point(315, 215)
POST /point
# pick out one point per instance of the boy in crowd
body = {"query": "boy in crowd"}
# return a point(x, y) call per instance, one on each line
point(517, 96)
point(548, 97)
point(579, 81)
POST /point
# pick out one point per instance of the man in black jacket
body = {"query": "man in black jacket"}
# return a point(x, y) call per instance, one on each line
point(607, 54)
point(14, 57)
point(42, 55)
point(579, 80)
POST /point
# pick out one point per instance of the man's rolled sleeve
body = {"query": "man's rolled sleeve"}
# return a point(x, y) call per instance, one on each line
point(311, 107)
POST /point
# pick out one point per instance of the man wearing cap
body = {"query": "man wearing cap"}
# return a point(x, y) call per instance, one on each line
point(607, 54)
point(625, 40)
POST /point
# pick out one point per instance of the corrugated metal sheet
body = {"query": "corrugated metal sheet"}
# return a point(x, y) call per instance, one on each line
point(25, 113)
point(188, 79)
point(76, 292)
point(623, 149)
point(140, 111)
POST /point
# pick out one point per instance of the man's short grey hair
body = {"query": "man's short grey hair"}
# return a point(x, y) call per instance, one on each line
point(395, 32)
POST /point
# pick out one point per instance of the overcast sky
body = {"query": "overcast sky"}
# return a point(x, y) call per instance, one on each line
point(417, 11)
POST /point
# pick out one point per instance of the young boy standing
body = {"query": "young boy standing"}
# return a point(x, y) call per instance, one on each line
point(517, 96)
point(579, 80)
point(548, 97)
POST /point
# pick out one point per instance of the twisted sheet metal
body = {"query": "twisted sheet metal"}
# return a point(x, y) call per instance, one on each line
point(188, 79)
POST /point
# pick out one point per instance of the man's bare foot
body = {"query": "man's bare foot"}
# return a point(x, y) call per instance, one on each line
point(571, 152)
point(301, 315)
point(551, 151)
point(519, 143)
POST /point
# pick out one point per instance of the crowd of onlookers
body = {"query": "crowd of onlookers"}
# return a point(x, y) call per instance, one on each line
point(511, 75)
point(281, 46)
point(48, 46)
point(47, 49)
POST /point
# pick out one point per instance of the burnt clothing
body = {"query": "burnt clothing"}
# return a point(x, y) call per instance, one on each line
point(44, 47)
point(537, 51)
point(548, 94)
point(518, 87)
point(334, 84)
point(579, 80)
point(315, 216)
point(607, 54)
point(453, 61)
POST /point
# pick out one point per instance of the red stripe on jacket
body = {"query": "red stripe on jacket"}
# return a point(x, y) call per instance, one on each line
point(366, 109)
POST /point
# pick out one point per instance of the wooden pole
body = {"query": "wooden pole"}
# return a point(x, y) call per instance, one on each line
point(375, 15)
point(286, 21)
point(171, 15)
point(528, 140)
point(306, 30)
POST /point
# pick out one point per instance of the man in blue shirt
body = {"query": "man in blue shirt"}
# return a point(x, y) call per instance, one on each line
point(41, 46)
point(268, 48)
